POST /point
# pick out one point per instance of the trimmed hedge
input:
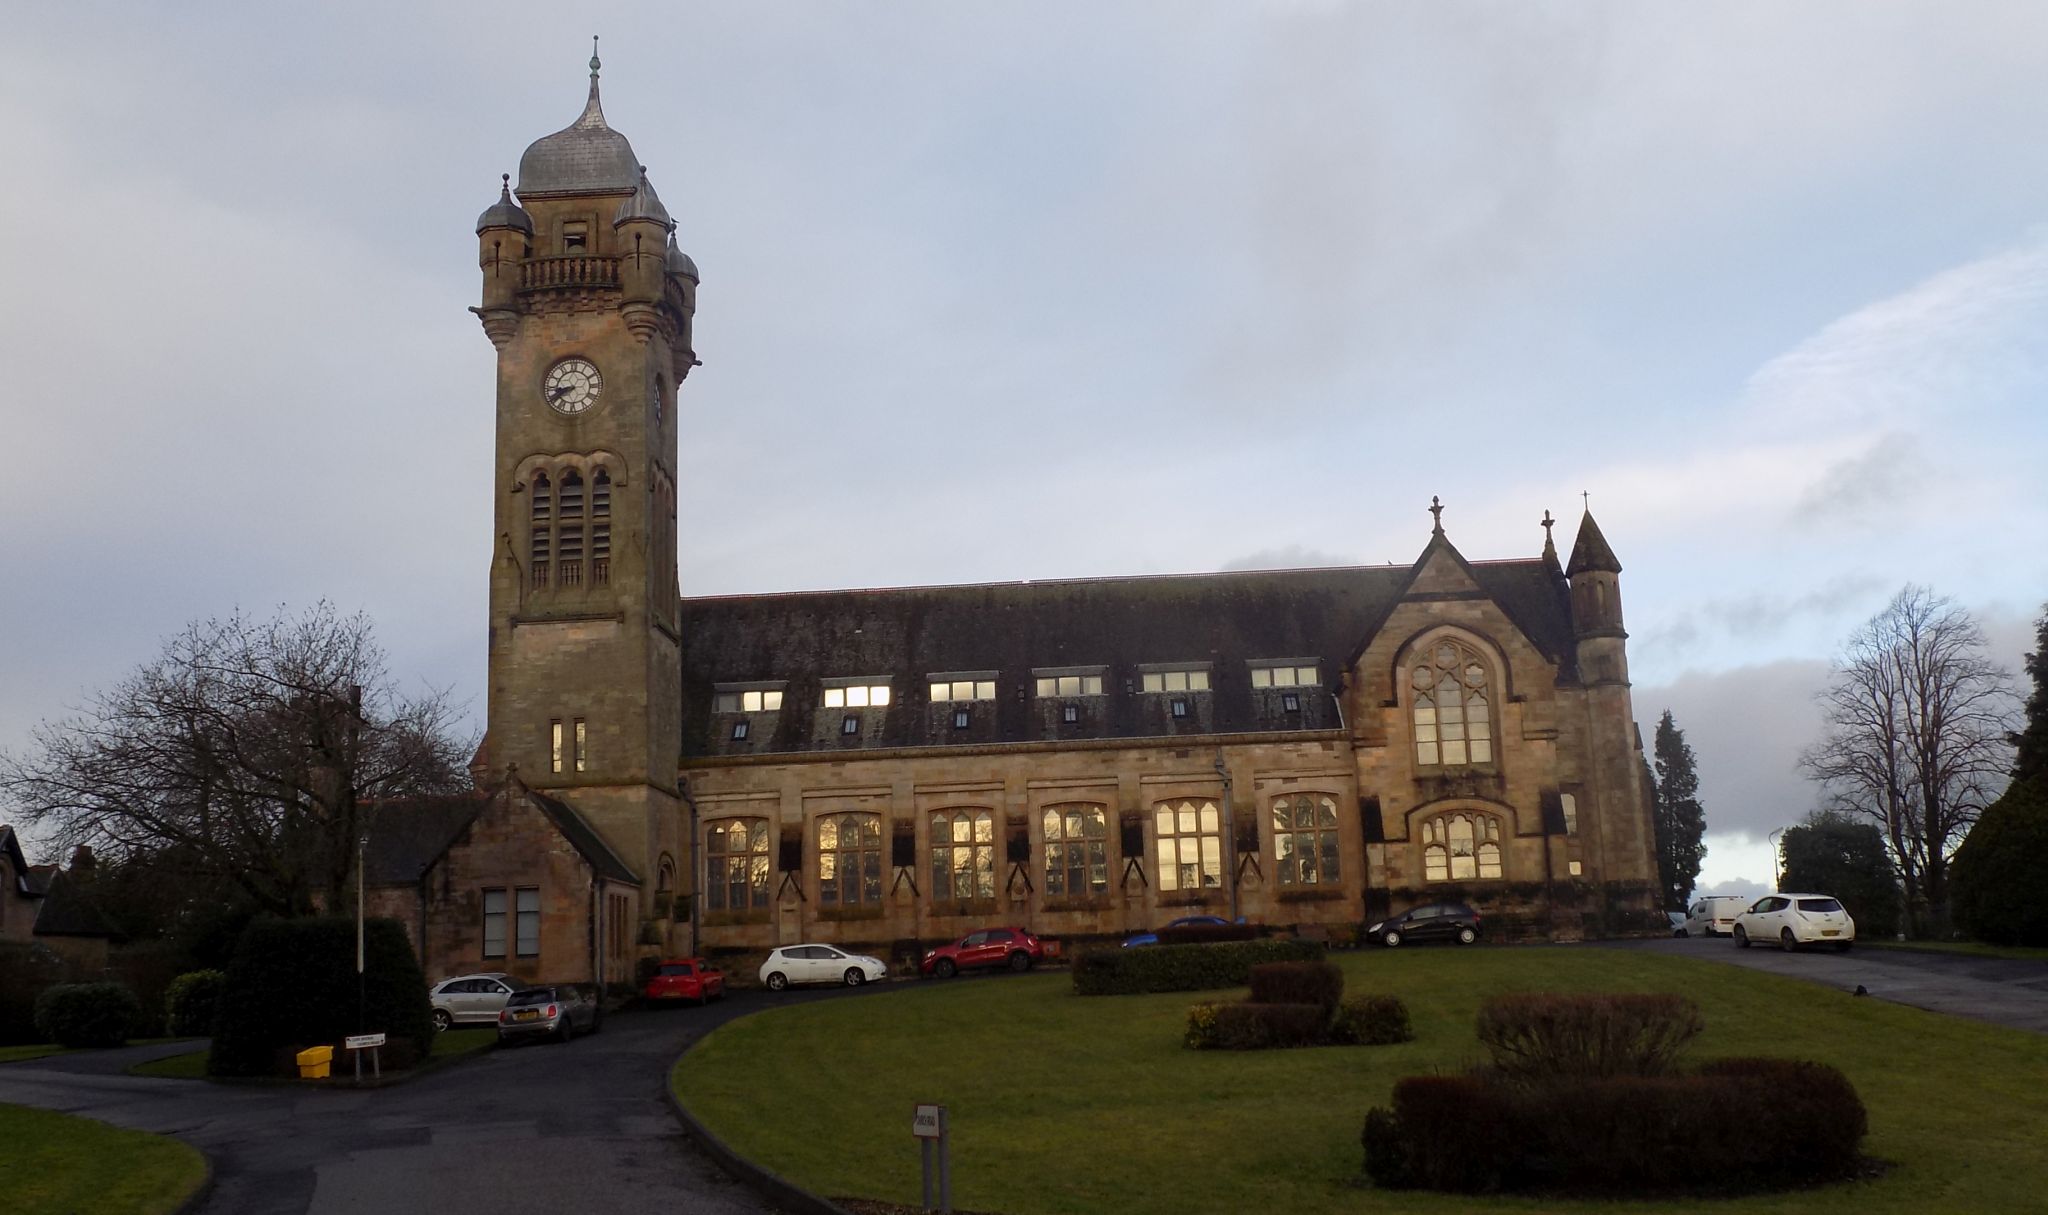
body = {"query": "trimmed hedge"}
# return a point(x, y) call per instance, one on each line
point(1733, 1125)
point(1153, 968)
point(1631, 1034)
point(1257, 1026)
point(1371, 1021)
point(87, 1014)
point(1320, 983)
point(292, 984)
point(192, 1002)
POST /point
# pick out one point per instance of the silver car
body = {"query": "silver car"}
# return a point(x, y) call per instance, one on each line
point(471, 999)
point(559, 1012)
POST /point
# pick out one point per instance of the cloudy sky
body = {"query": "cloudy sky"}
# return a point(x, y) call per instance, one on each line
point(1059, 289)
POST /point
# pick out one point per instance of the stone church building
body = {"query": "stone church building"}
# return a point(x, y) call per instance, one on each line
point(872, 768)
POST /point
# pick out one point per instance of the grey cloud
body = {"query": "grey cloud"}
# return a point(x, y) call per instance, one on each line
point(1288, 557)
point(1868, 489)
point(1747, 727)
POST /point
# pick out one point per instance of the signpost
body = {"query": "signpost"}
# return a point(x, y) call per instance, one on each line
point(928, 1123)
point(357, 1045)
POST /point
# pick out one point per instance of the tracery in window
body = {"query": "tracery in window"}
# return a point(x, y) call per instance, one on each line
point(1076, 850)
point(736, 864)
point(963, 844)
point(1188, 834)
point(1453, 714)
point(1305, 839)
point(850, 860)
point(1460, 847)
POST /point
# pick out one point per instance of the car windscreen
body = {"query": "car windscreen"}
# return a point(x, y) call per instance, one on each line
point(532, 995)
point(1819, 905)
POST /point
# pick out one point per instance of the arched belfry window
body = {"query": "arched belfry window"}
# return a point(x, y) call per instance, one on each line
point(1453, 705)
point(1461, 847)
point(569, 530)
point(600, 528)
point(542, 514)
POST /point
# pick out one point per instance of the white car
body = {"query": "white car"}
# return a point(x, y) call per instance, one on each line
point(1712, 915)
point(472, 999)
point(1793, 920)
point(820, 964)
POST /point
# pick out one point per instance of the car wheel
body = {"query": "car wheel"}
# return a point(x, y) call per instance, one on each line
point(1020, 962)
point(565, 1030)
point(1390, 938)
point(777, 981)
point(442, 1020)
point(855, 976)
point(945, 969)
point(1785, 941)
point(1679, 932)
point(1741, 938)
point(1466, 936)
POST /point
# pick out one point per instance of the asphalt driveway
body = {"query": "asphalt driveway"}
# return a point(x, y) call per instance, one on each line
point(541, 1128)
point(1999, 990)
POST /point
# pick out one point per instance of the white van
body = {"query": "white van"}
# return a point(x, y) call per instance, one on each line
point(1713, 915)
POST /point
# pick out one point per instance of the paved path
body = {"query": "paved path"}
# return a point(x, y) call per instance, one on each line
point(540, 1128)
point(1999, 990)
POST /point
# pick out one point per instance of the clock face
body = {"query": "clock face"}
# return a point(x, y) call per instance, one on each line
point(572, 386)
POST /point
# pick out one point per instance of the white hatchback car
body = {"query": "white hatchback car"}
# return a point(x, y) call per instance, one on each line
point(820, 964)
point(1793, 920)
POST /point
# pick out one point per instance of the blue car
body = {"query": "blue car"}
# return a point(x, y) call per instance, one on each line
point(1152, 938)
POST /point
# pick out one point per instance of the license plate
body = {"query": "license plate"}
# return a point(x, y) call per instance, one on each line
point(1831, 932)
point(525, 1015)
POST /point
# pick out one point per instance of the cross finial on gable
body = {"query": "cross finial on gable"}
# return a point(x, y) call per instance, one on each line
point(1436, 510)
point(1547, 521)
point(1586, 496)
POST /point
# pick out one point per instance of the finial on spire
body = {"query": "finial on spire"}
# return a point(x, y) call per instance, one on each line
point(505, 191)
point(1436, 510)
point(1586, 496)
point(1547, 522)
point(594, 63)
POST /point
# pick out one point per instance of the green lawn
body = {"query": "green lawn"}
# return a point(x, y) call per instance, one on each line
point(463, 1041)
point(188, 1066)
point(59, 1165)
point(21, 1054)
point(1060, 1103)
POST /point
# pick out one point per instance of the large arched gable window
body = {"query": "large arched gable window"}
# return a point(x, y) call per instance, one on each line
point(1461, 846)
point(1451, 683)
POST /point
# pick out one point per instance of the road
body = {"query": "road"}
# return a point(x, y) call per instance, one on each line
point(1999, 990)
point(541, 1128)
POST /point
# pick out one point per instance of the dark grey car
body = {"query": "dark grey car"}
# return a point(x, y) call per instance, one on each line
point(1429, 922)
point(560, 1012)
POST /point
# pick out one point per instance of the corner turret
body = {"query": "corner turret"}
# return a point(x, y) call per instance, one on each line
point(1595, 577)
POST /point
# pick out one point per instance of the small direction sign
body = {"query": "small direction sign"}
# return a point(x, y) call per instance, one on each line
point(925, 1122)
point(364, 1041)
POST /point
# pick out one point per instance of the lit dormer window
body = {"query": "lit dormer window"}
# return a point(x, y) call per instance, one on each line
point(1184, 679)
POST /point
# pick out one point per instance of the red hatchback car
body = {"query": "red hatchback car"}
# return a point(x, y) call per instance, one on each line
point(691, 979)
point(1011, 947)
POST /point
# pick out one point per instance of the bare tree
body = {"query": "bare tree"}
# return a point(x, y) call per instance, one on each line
point(251, 747)
point(1918, 720)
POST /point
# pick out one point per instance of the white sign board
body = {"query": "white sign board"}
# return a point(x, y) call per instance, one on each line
point(363, 1041)
point(924, 1123)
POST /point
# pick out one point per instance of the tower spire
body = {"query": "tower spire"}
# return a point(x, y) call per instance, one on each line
point(593, 113)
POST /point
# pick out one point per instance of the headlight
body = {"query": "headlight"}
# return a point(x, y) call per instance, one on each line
point(1376, 927)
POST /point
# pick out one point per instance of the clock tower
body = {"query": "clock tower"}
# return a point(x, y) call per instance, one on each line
point(589, 301)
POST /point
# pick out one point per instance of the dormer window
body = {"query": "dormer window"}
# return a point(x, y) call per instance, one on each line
point(850, 724)
point(1283, 674)
point(1180, 706)
point(757, 700)
point(961, 718)
point(1068, 681)
point(1070, 714)
point(857, 696)
point(740, 729)
point(1291, 702)
point(967, 686)
point(1186, 679)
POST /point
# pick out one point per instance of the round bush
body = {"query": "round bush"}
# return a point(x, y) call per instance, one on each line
point(1996, 890)
point(292, 984)
point(191, 1003)
point(87, 1014)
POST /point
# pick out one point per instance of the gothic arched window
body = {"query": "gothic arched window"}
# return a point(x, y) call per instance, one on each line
point(963, 854)
point(850, 860)
point(1460, 847)
point(736, 864)
point(1076, 851)
point(1189, 836)
point(1453, 710)
point(1305, 839)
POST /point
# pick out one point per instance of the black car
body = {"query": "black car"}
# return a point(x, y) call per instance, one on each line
point(1429, 922)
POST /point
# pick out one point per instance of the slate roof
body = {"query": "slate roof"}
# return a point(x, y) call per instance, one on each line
point(584, 839)
point(408, 835)
point(68, 910)
point(1117, 625)
point(1591, 551)
point(11, 843)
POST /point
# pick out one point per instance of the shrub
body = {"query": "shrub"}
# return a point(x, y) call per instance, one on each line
point(1996, 890)
point(1634, 1034)
point(1152, 968)
point(1297, 983)
point(1205, 934)
point(292, 984)
point(26, 971)
point(1371, 1021)
point(191, 1002)
point(87, 1014)
point(1735, 1124)
point(1257, 1026)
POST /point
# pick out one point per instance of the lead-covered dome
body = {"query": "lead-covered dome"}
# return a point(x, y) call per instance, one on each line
point(505, 213)
point(585, 157)
point(644, 204)
point(679, 262)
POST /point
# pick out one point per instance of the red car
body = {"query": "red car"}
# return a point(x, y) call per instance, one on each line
point(691, 979)
point(1011, 947)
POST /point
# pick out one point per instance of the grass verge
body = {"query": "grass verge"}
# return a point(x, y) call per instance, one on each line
point(58, 1164)
point(1973, 949)
point(189, 1066)
point(449, 1046)
point(42, 1050)
point(1066, 1104)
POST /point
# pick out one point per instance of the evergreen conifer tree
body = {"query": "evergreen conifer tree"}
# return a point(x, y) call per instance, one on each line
point(1678, 817)
point(2030, 744)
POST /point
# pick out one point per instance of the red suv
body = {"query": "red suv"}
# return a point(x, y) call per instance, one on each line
point(691, 979)
point(1011, 947)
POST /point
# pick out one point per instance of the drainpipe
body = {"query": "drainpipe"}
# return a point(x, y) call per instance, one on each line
point(697, 878)
point(1229, 834)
